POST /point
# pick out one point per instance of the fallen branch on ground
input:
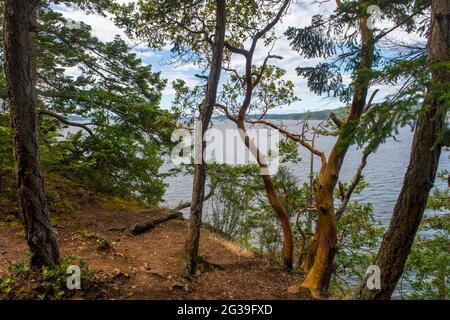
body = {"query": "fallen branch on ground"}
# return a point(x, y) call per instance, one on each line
point(141, 227)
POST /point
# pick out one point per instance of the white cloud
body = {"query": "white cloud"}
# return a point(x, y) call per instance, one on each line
point(300, 15)
point(102, 27)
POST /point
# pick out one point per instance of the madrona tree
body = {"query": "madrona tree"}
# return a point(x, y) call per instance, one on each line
point(250, 88)
point(196, 30)
point(260, 88)
point(348, 42)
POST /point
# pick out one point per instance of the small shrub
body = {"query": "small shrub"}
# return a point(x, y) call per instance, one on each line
point(103, 242)
point(48, 283)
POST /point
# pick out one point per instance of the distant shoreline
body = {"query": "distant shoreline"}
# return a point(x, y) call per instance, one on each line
point(309, 115)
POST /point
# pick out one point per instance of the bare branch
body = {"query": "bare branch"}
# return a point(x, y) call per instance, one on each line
point(186, 204)
point(356, 179)
point(369, 104)
point(234, 71)
point(270, 25)
point(65, 121)
point(226, 111)
point(294, 137)
point(335, 120)
point(237, 50)
point(201, 76)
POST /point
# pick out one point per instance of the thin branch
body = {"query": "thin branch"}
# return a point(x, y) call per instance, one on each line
point(335, 120)
point(248, 62)
point(201, 76)
point(270, 25)
point(353, 184)
point(234, 71)
point(263, 67)
point(294, 137)
point(183, 205)
point(369, 104)
point(66, 121)
point(381, 35)
point(226, 111)
point(237, 50)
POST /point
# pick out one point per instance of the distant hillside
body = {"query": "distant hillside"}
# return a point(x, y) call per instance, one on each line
point(310, 115)
point(76, 118)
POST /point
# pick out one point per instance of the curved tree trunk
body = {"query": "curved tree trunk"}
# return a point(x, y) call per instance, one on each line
point(36, 216)
point(423, 164)
point(324, 247)
point(274, 200)
point(283, 217)
point(324, 243)
point(198, 190)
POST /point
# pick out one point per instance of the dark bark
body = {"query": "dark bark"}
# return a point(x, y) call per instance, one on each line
point(423, 164)
point(18, 24)
point(207, 108)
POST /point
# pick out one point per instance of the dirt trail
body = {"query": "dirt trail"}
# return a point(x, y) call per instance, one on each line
point(147, 266)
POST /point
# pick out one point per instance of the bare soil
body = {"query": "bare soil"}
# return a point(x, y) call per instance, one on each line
point(148, 266)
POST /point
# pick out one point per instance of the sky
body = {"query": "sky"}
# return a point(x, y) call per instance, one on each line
point(299, 15)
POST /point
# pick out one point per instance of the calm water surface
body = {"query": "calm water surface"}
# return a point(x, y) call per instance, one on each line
point(384, 171)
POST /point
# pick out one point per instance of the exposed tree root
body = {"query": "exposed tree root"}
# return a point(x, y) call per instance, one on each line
point(206, 266)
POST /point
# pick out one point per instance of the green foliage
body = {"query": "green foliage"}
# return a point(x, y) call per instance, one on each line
point(233, 211)
point(312, 41)
point(113, 92)
point(9, 206)
point(289, 151)
point(428, 266)
point(295, 199)
point(271, 91)
point(427, 269)
point(358, 239)
point(6, 161)
point(336, 38)
point(188, 25)
point(240, 208)
point(48, 283)
point(326, 79)
point(102, 242)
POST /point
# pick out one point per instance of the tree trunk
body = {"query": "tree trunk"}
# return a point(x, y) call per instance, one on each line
point(283, 217)
point(423, 164)
point(324, 245)
point(272, 195)
point(198, 190)
point(325, 239)
point(36, 216)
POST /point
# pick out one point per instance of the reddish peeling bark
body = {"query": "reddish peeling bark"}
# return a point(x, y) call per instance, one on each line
point(324, 245)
